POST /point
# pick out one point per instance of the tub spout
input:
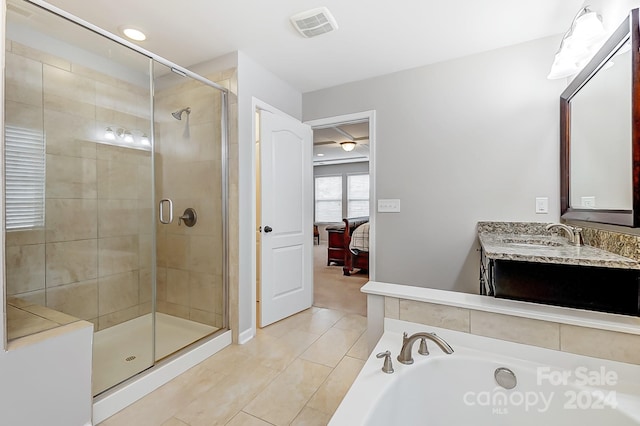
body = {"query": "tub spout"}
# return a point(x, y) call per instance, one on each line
point(407, 344)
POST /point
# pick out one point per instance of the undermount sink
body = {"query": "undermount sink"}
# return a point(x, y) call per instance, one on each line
point(533, 245)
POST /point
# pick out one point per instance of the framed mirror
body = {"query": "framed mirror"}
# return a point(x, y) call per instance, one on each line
point(599, 134)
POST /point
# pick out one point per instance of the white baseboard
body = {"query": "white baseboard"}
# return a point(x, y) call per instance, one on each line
point(245, 336)
point(129, 392)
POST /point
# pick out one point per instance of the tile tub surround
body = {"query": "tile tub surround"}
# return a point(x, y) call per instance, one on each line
point(596, 334)
point(494, 238)
point(294, 372)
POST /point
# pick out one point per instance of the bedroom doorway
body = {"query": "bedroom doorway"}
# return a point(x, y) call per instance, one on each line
point(344, 188)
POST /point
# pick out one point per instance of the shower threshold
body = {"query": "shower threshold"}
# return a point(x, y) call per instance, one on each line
point(121, 351)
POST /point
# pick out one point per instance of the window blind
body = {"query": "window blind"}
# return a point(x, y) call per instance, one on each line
point(358, 195)
point(24, 178)
point(328, 193)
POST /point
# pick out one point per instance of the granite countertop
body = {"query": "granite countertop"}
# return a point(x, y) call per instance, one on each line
point(533, 243)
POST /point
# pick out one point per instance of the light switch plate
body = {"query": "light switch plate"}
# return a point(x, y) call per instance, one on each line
point(389, 206)
point(542, 205)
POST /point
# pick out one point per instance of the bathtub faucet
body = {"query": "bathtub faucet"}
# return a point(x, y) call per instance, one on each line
point(407, 344)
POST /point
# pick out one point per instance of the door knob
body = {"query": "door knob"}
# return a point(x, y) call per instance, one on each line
point(268, 229)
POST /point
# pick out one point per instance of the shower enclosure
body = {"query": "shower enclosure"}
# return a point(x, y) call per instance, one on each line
point(115, 191)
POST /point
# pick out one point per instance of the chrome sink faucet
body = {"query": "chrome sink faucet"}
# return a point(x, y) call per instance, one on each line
point(407, 344)
point(574, 235)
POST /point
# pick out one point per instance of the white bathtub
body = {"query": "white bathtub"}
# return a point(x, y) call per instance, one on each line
point(553, 387)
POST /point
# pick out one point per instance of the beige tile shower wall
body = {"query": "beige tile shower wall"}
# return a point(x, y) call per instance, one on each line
point(233, 212)
point(546, 334)
point(93, 258)
point(188, 161)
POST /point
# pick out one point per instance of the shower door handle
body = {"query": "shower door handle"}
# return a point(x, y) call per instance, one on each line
point(161, 211)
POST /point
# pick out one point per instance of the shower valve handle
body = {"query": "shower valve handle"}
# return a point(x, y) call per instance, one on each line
point(189, 217)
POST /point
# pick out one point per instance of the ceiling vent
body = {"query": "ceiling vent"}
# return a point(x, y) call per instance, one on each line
point(314, 22)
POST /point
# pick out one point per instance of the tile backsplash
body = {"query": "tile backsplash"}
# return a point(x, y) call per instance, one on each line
point(627, 245)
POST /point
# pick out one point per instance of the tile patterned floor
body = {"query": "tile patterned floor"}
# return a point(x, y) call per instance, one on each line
point(295, 372)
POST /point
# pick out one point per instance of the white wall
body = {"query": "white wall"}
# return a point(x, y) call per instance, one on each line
point(613, 12)
point(457, 142)
point(48, 382)
point(254, 81)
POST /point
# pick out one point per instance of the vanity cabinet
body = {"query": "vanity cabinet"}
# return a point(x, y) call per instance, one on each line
point(525, 261)
point(602, 289)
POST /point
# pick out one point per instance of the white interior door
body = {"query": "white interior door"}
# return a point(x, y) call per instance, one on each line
point(286, 276)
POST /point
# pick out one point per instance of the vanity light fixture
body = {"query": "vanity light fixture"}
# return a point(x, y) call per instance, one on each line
point(348, 145)
point(127, 138)
point(125, 135)
point(133, 33)
point(579, 43)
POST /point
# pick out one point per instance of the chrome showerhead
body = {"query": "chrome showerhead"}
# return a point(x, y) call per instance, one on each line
point(178, 114)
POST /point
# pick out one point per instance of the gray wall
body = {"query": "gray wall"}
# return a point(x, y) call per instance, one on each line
point(457, 142)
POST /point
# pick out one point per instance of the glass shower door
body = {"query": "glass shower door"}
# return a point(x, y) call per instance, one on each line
point(79, 187)
point(188, 153)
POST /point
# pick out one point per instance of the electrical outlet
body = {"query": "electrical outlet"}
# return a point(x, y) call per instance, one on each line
point(588, 202)
point(389, 206)
point(542, 205)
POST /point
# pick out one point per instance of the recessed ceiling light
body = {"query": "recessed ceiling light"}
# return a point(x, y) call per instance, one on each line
point(133, 33)
point(320, 155)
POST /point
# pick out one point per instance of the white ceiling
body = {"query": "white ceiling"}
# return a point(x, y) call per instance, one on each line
point(375, 37)
point(327, 148)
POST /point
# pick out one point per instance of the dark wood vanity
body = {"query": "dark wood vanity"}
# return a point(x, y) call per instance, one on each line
point(536, 266)
point(611, 290)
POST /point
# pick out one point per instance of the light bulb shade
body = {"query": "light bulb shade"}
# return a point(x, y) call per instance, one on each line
point(348, 146)
point(109, 134)
point(144, 140)
point(128, 137)
point(563, 66)
point(578, 45)
point(588, 27)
